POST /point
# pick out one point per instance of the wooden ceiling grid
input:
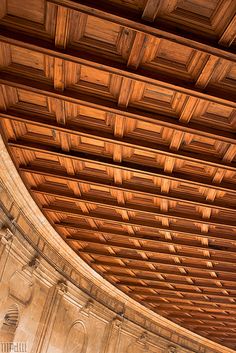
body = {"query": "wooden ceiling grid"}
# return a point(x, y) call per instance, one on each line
point(120, 116)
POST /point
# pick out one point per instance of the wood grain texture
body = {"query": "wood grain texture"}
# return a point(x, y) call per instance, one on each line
point(121, 121)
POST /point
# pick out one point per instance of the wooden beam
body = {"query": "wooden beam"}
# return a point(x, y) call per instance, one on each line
point(132, 167)
point(216, 328)
point(175, 292)
point(226, 340)
point(229, 34)
point(223, 335)
point(212, 326)
point(142, 237)
point(206, 74)
point(128, 142)
point(156, 240)
point(156, 299)
point(62, 29)
point(179, 314)
point(125, 279)
point(146, 224)
point(151, 10)
point(100, 231)
point(182, 277)
point(122, 222)
point(158, 262)
point(201, 315)
point(115, 15)
point(145, 210)
point(105, 64)
point(147, 250)
point(161, 120)
point(150, 250)
point(111, 107)
point(223, 338)
point(220, 270)
point(196, 313)
point(133, 189)
point(179, 230)
point(209, 321)
point(172, 253)
point(159, 265)
point(142, 288)
point(189, 309)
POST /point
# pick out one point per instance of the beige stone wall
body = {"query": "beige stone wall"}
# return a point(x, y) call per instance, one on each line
point(53, 301)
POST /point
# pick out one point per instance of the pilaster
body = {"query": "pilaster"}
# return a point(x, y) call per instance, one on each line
point(44, 331)
point(112, 336)
point(6, 239)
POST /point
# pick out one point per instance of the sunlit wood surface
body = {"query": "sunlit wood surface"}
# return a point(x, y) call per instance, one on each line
point(120, 117)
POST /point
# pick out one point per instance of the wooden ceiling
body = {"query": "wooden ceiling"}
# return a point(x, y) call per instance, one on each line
point(120, 116)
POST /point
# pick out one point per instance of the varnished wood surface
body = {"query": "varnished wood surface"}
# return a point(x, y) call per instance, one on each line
point(121, 117)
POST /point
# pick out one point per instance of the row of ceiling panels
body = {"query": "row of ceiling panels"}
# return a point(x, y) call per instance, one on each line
point(120, 117)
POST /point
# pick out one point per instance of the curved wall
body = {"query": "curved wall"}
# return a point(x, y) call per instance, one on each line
point(64, 305)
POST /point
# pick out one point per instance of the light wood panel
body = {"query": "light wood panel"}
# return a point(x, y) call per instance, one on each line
point(121, 117)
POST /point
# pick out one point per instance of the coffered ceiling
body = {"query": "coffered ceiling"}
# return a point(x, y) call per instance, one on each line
point(120, 116)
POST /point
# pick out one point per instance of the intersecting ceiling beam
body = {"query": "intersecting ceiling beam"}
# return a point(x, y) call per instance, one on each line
point(104, 105)
point(112, 268)
point(111, 13)
point(135, 189)
point(145, 224)
point(149, 289)
point(212, 326)
point(159, 261)
point(145, 210)
point(129, 166)
point(150, 207)
point(155, 240)
point(141, 75)
point(209, 306)
point(151, 251)
point(209, 321)
point(141, 281)
point(142, 237)
point(131, 142)
point(148, 295)
point(229, 34)
point(200, 315)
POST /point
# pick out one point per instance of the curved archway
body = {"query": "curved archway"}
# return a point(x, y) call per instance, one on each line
point(76, 341)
